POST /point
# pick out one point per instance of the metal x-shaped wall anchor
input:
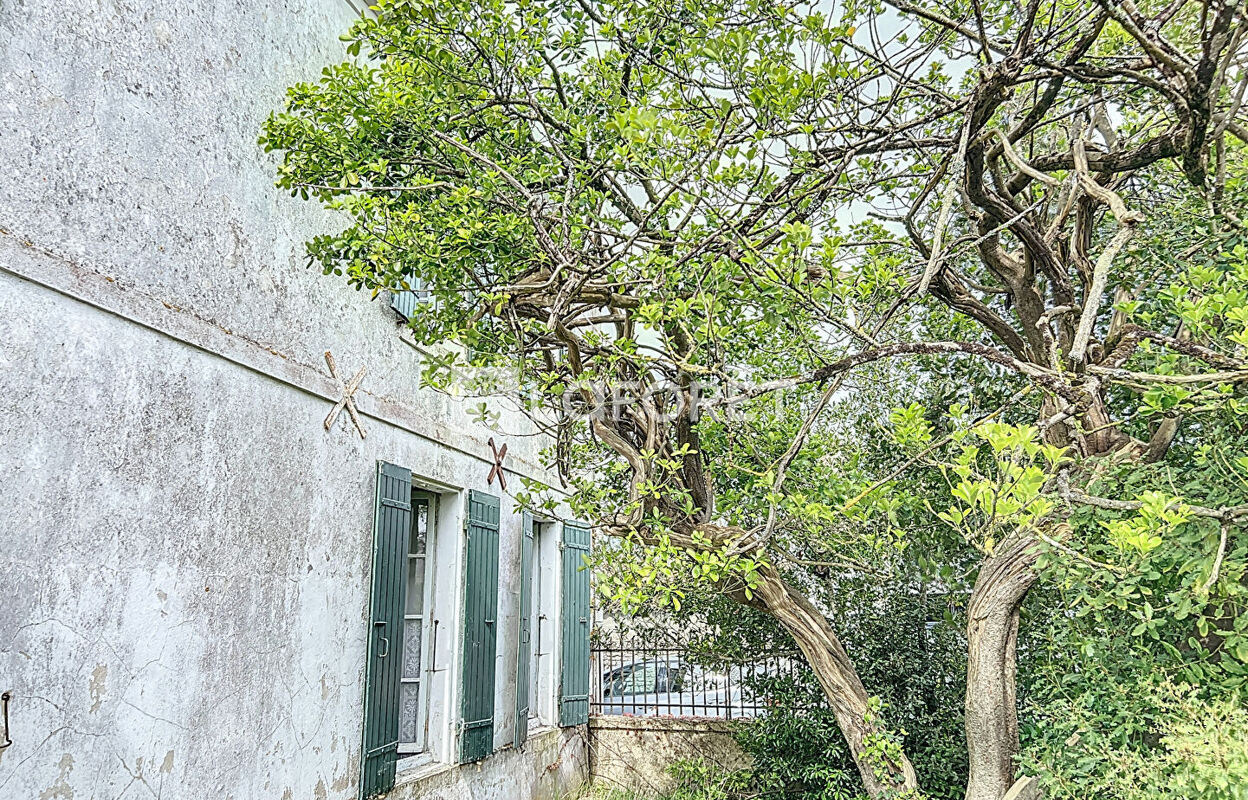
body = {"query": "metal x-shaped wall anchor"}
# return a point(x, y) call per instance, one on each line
point(497, 469)
point(348, 395)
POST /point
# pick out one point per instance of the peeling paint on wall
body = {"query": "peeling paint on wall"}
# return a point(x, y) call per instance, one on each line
point(60, 790)
point(98, 676)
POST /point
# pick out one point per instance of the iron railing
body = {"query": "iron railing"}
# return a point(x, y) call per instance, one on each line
point(634, 678)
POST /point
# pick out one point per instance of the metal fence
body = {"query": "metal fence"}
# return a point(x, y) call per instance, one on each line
point(637, 679)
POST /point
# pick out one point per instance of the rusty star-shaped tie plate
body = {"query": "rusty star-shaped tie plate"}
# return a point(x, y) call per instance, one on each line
point(497, 468)
point(347, 391)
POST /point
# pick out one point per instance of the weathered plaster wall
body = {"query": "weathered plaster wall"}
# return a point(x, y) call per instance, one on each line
point(184, 550)
point(634, 752)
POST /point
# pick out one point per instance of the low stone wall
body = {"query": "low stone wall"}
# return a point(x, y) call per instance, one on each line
point(551, 765)
point(634, 752)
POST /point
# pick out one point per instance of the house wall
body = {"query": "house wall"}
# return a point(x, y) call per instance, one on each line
point(184, 549)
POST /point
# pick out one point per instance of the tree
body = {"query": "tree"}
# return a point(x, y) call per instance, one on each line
point(674, 213)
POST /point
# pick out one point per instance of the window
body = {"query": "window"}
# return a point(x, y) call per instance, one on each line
point(413, 712)
point(536, 618)
point(413, 694)
point(430, 697)
point(534, 656)
point(645, 677)
point(544, 625)
point(405, 302)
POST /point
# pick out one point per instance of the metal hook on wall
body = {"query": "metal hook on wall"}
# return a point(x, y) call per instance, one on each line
point(4, 708)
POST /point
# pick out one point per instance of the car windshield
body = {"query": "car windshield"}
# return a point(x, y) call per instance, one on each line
point(632, 679)
point(647, 677)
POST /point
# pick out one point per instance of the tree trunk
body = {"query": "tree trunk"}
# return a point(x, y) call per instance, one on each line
point(992, 639)
point(992, 622)
point(1096, 433)
point(840, 682)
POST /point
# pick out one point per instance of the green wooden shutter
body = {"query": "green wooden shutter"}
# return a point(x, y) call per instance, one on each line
point(480, 644)
point(524, 656)
point(392, 523)
point(574, 673)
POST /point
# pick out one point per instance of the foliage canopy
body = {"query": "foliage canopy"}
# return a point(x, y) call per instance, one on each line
point(946, 295)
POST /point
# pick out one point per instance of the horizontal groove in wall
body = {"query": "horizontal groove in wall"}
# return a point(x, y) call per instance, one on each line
point(61, 275)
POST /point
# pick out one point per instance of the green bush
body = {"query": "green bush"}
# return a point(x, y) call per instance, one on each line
point(1163, 742)
point(1132, 679)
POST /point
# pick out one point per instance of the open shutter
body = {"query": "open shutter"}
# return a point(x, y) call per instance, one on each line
point(524, 657)
point(406, 301)
point(476, 739)
point(392, 523)
point(574, 673)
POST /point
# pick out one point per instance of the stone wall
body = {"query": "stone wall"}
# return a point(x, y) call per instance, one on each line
point(549, 766)
point(634, 753)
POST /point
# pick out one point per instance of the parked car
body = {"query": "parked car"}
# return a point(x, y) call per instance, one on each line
point(644, 677)
point(632, 688)
point(672, 687)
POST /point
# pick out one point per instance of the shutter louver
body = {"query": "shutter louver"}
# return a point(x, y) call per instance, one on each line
point(392, 521)
point(406, 301)
point(480, 645)
point(574, 672)
point(524, 657)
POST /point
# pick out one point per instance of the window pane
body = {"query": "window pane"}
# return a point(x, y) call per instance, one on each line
point(409, 712)
point(641, 681)
point(415, 586)
point(420, 528)
point(535, 630)
point(412, 634)
point(535, 660)
point(633, 679)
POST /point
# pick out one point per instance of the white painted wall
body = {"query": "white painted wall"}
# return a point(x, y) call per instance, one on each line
point(184, 550)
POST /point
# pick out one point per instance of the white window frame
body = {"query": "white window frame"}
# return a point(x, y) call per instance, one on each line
point(441, 651)
point(431, 502)
point(544, 698)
